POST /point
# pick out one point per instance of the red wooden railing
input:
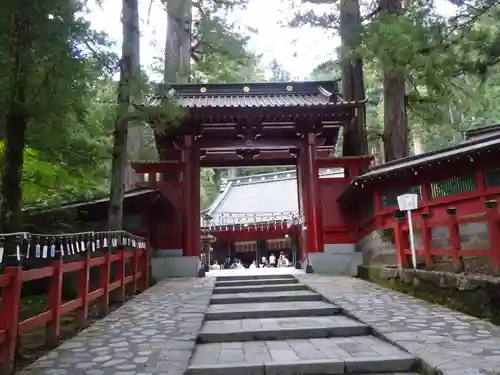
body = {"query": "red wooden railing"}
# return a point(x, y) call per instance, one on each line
point(13, 277)
point(452, 222)
point(450, 206)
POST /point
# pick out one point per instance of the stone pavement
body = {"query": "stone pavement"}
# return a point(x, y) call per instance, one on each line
point(446, 341)
point(250, 330)
point(154, 333)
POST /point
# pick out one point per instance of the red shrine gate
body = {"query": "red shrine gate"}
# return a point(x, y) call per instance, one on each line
point(261, 124)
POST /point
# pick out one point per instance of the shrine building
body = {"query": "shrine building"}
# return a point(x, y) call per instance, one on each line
point(292, 124)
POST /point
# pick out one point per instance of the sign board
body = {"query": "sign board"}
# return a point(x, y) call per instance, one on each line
point(408, 202)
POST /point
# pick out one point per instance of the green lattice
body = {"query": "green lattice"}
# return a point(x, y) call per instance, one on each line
point(390, 198)
point(452, 186)
point(492, 176)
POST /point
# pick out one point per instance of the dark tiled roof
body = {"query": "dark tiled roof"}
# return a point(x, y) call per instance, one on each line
point(255, 95)
point(261, 198)
point(463, 148)
point(483, 132)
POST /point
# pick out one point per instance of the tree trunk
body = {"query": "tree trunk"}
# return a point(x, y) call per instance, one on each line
point(135, 132)
point(16, 121)
point(353, 88)
point(178, 43)
point(395, 119)
point(177, 49)
point(129, 75)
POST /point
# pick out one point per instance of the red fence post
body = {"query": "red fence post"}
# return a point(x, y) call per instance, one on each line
point(494, 233)
point(454, 234)
point(104, 276)
point(120, 292)
point(145, 270)
point(83, 290)
point(54, 300)
point(9, 313)
point(135, 268)
point(426, 239)
point(399, 241)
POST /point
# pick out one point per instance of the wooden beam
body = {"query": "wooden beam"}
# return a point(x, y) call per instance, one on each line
point(258, 162)
point(166, 166)
point(260, 143)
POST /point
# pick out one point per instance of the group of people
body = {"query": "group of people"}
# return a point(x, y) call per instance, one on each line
point(281, 261)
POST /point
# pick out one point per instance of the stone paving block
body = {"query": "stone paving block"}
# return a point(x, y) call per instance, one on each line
point(270, 310)
point(381, 364)
point(152, 334)
point(445, 340)
point(259, 288)
point(279, 281)
point(280, 328)
point(298, 295)
point(269, 274)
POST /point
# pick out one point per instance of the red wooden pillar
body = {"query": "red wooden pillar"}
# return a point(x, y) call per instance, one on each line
point(314, 219)
point(145, 267)
point(301, 175)
point(135, 268)
point(120, 291)
point(426, 238)
point(400, 241)
point(83, 291)
point(195, 214)
point(186, 194)
point(494, 233)
point(454, 234)
point(54, 301)
point(9, 314)
point(104, 279)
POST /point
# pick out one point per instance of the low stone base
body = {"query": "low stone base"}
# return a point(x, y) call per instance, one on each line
point(171, 263)
point(341, 264)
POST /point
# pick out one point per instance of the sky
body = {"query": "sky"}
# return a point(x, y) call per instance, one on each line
point(298, 50)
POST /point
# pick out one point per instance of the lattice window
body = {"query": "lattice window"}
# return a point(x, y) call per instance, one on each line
point(452, 186)
point(492, 176)
point(369, 207)
point(390, 198)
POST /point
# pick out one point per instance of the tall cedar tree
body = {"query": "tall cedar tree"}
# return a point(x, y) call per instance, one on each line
point(17, 116)
point(129, 81)
point(353, 88)
point(395, 117)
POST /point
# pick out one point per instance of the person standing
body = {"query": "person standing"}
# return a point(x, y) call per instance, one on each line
point(264, 261)
point(272, 260)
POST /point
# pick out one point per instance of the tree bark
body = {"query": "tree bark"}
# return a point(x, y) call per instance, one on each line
point(353, 88)
point(178, 42)
point(16, 121)
point(128, 77)
point(395, 118)
point(135, 134)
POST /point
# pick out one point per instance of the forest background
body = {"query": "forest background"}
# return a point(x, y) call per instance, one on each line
point(427, 78)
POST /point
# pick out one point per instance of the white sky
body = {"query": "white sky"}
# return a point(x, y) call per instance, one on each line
point(298, 50)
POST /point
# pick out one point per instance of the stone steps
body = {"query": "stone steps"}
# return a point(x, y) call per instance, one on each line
point(259, 288)
point(298, 295)
point(254, 277)
point(293, 357)
point(254, 327)
point(280, 329)
point(279, 281)
point(270, 310)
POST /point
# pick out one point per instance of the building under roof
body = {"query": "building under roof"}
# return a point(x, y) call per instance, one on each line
point(267, 197)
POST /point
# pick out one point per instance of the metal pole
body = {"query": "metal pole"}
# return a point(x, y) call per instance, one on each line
point(412, 240)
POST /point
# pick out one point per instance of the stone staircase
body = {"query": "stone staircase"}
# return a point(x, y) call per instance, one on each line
point(272, 325)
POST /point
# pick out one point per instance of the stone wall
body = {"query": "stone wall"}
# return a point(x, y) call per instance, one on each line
point(378, 247)
point(478, 295)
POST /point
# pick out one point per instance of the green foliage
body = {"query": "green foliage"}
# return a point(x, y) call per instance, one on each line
point(451, 65)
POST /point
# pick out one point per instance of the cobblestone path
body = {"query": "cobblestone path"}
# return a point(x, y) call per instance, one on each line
point(276, 325)
point(273, 325)
point(155, 333)
point(446, 341)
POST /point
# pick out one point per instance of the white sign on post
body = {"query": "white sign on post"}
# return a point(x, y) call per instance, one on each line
point(408, 203)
